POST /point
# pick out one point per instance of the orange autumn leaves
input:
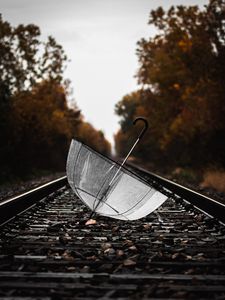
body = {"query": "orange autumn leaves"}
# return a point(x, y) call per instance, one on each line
point(181, 72)
point(38, 118)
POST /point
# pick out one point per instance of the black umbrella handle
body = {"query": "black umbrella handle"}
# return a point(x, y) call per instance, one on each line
point(145, 126)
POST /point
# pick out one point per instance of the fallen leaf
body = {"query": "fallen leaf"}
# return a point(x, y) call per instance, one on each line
point(175, 255)
point(57, 257)
point(67, 255)
point(188, 257)
point(119, 253)
point(133, 248)
point(109, 251)
point(135, 256)
point(91, 222)
point(93, 257)
point(128, 243)
point(147, 226)
point(189, 271)
point(115, 228)
point(106, 246)
point(85, 269)
point(129, 262)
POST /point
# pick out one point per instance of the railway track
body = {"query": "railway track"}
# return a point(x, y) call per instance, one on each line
point(47, 251)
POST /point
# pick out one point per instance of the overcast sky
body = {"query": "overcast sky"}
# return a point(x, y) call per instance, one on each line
point(99, 37)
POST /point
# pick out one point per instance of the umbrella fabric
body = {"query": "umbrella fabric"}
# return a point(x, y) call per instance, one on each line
point(124, 196)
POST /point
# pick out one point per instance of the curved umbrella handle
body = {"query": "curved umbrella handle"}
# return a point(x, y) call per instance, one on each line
point(138, 139)
point(145, 126)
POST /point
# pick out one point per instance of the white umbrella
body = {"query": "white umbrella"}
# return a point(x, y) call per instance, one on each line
point(108, 188)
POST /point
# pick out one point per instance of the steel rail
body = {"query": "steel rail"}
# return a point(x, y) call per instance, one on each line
point(202, 202)
point(15, 205)
point(49, 252)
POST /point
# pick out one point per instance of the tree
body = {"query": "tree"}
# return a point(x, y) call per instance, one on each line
point(93, 138)
point(182, 73)
point(26, 60)
point(36, 122)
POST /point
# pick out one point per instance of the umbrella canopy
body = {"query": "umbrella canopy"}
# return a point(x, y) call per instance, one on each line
point(108, 188)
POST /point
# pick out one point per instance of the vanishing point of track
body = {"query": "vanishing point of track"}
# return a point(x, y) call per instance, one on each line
point(47, 251)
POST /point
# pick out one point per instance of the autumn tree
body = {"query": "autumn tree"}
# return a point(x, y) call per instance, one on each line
point(36, 122)
point(131, 106)
point(94, 138)
point(182, 74)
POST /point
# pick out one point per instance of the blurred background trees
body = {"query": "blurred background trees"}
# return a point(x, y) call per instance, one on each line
point(182, 94)
point(36, 122)
point(182, 78)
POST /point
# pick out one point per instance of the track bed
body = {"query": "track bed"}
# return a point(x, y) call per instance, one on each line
point(48, 252)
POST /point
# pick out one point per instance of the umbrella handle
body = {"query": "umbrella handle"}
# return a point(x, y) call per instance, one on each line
point(145, 126)
point(138, 139)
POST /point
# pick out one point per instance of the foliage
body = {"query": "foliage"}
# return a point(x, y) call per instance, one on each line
point(94, 138)
point(36, 123)
point(214, 179)
point(182, 72)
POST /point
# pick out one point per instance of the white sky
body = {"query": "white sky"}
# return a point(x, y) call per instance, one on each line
point(99, 37)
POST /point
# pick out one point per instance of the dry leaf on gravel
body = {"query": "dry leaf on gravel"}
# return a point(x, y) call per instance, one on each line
point(133, 248)
point(106, 246)
point(147, 226)
point(128, 243)
point(115, 228)
point(109, 251)
point(119, 253)
point(93, 257)
point(85, 269)
point(91, 222)
point(129, 262)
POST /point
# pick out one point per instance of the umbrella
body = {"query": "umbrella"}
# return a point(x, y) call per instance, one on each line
point(107, 187)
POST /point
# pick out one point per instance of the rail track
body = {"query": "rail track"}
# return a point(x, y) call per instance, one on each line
point(47, 251)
